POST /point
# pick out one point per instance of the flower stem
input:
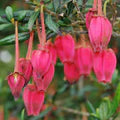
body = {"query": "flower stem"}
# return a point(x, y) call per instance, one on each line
point(16, 48)
point(105, 5)
point(43, 25)
point(99, 7)
point(95, 4)
point(38, 31)
point(29, 52)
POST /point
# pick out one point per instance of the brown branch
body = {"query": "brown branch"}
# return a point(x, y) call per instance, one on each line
point(73, 111)
point(78, 10)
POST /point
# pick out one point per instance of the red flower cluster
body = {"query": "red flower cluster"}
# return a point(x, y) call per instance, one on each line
point(79, 60)
point(100, 31)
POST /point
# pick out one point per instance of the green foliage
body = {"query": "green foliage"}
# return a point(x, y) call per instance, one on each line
point(51, 24)
point(22, 114)
point(32, 19)
point(9, 13)
point(11, 38)
point(108, 108)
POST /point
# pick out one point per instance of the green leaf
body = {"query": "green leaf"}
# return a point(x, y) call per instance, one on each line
point(9, 13)
point(21, 15)
point(22, 114)
point(90, 107)
point(3, 20)
point(42, 114)
point(11, 38)
point(51, 24)
point(56, 4)
point(5, 26)
point(116, 101)
point(32, 20)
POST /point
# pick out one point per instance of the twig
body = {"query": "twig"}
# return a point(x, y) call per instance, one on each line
point(74, 111)
point(78, 10)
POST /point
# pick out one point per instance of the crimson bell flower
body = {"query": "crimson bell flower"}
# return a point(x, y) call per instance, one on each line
point(51, 47)
point(33, 99)
point(16, 82)
point(100, 30)
point(71, 72)
point(25, 67)
point(104, 65)
point(84, 60)
point(41, 60)
point(65, 47)
point(42, 82)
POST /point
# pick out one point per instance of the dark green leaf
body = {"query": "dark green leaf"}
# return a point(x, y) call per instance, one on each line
point(5, 26)
point(51, 24)
point(9, 13)
point(11, 38)
point(32, 20)
point(42, 114)
point(21, 15)
point(22, 114)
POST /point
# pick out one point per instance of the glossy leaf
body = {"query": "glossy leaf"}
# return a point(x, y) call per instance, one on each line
point(5, 26)
point(51, 24)
point(21, 15)
point(11, 38)
point(9, 13)
point(32, 20)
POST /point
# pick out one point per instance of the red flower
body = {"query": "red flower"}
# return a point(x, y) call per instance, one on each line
point(42, 82)
point(84, 60)
point(104, 65)
point(71, 72)
point(16, 82)
point(33, 99)
point(65, 47)
point(51, 47)
point(41, 60)
point(25, 67)
point(100, 32)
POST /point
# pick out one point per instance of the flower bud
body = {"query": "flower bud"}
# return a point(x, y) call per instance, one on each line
point(41, 60)
point(33, 99)
point(71, 72)
point(25, 67)
point(100, 31)
point(65, 47)
point(84, 60)
point(16, 82)
point(42, 82)
point(104, 65)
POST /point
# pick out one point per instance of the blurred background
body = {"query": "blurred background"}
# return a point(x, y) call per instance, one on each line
point(63, 101)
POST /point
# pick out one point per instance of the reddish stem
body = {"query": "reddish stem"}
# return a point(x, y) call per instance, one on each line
point(29, 52)
point(43, 26)
point(38, 31)
point(16, 48)
point(95, 4)
point(99, 7)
